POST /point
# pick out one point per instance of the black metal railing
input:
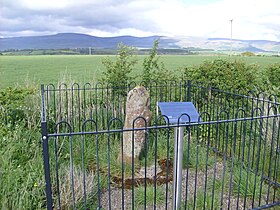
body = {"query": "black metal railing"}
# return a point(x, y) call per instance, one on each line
point(231, 155)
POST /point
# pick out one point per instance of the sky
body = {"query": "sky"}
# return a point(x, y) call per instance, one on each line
point(252, 19)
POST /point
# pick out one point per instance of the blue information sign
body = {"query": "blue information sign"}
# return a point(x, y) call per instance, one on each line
point(173, 110)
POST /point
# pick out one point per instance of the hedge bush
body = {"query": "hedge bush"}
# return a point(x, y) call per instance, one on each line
point(224, 74)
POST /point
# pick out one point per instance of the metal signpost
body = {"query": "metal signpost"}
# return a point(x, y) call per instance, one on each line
point(178, 113)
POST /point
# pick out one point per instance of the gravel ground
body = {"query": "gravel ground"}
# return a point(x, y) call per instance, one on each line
point(116, 193)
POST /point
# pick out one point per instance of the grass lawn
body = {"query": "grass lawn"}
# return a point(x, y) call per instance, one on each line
point(52, 68)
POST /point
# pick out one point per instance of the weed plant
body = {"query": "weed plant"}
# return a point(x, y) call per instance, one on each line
point(150, 197)
point(246, 183)
point(203, 201)
point(197, 155)
point(84, 188)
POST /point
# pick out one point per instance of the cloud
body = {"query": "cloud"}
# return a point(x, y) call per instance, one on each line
point(75, 16)
point(253, 19)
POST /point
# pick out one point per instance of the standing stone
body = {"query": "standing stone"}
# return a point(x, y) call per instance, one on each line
point(137, 105)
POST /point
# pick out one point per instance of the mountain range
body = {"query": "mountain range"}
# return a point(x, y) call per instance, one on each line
point(74, 40)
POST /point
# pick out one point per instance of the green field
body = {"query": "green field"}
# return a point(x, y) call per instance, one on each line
point(19, 70)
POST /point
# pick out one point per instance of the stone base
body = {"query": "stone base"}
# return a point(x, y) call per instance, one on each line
point(127, 159)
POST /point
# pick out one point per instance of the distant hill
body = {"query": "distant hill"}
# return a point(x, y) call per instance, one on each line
point(224, 44)
point(250, 45)
point(74, 40)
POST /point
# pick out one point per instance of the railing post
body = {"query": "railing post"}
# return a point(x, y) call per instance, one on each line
point(46, 165)
point(46, 152)
point(189, 91)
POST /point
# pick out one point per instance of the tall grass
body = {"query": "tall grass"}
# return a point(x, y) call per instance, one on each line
point(22, 183)
point(21, 166)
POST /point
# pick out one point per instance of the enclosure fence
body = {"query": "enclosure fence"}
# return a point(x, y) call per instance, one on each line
point(231, 154)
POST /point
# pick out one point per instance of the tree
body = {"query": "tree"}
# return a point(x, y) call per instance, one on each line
point(272, 74)
point(153, 69)
point(118, 72)
point(150, 63)
point(248, 53)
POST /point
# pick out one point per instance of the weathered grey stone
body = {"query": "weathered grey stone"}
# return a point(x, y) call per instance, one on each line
point(137, 105)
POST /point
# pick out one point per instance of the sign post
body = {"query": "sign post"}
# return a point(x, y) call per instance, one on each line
point(178, 113)
point(178, 166)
